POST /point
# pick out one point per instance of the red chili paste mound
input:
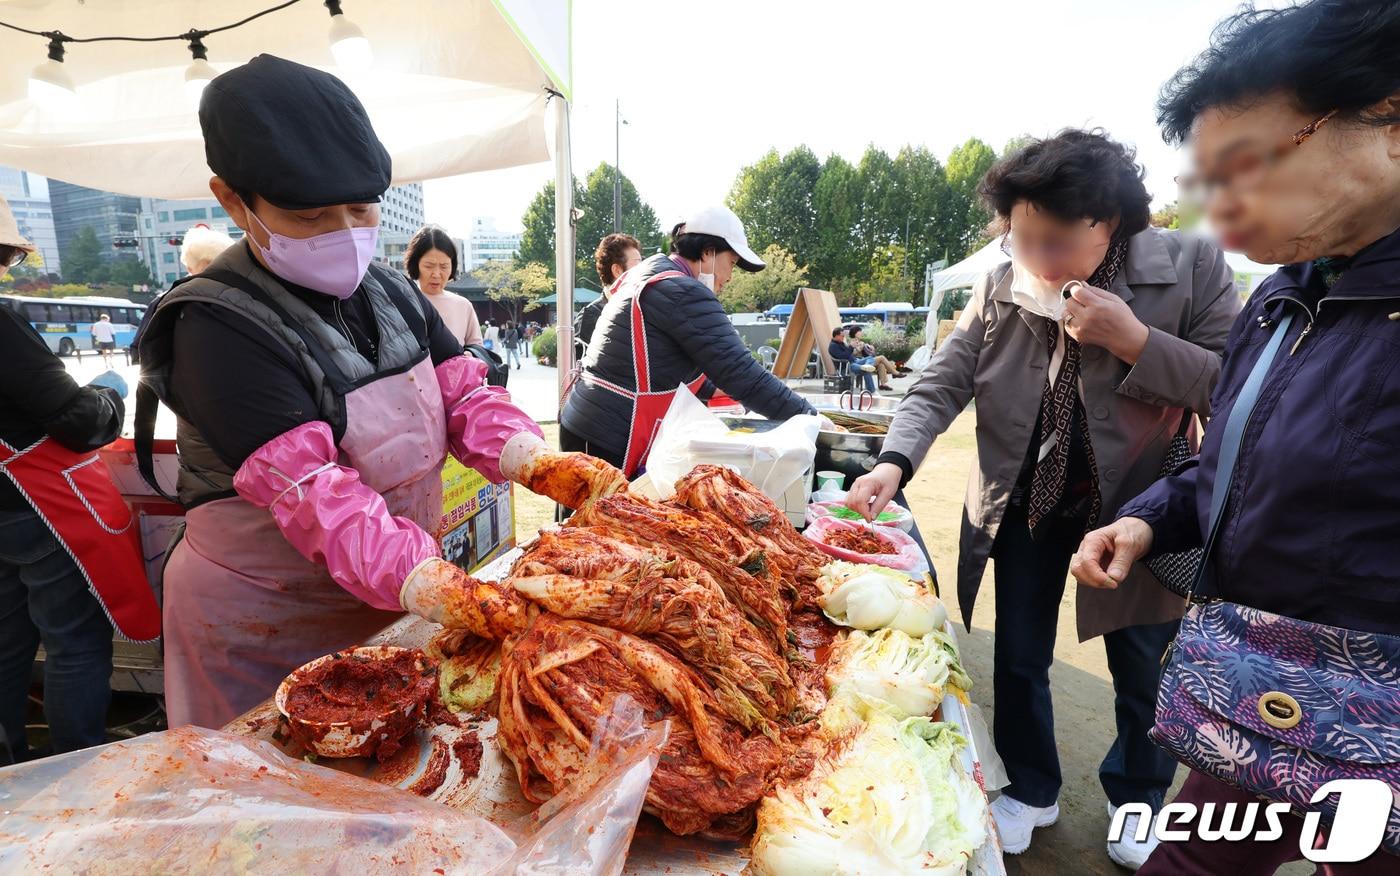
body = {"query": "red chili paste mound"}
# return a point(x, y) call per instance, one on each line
point(353, 689)
point(861, 541)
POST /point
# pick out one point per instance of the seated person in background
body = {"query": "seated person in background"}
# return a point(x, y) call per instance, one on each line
point(840, 352)
point(864, 350)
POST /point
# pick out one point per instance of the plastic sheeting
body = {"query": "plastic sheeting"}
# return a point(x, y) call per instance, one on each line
point(193, 800)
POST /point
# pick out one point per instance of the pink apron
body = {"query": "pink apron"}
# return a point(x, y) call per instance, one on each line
point(243, 607)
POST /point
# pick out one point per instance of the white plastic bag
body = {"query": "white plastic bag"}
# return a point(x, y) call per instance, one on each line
point(690, 435)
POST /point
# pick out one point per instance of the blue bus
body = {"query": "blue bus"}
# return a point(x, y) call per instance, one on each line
point(66, 323)
point(896, 313)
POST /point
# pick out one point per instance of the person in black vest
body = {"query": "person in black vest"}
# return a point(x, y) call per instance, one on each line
point(318, 395)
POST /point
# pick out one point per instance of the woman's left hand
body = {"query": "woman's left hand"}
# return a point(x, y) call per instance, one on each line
point(1102, 319)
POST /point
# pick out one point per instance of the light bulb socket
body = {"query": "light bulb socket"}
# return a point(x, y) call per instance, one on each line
point(334, 7)
point(56, 50)
point(197, 47)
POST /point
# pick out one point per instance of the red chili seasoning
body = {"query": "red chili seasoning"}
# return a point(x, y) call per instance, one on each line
point(354, 689)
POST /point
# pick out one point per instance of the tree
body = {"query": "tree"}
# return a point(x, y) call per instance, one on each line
point(537, 241)
point(776, 284)
point(129, 272)
point(518, 287)
point(774, 200)
point(83, 261)
point(593, 199)
point(1017, 143)
point(1167, 217)
point(967, 165)
point(885, 280)
point(836, 204)
point(875, 225)
point(923, 196)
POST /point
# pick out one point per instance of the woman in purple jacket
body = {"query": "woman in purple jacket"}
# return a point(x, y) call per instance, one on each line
point(1293, 116)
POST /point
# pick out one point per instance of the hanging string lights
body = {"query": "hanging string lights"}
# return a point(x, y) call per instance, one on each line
point(51, 85)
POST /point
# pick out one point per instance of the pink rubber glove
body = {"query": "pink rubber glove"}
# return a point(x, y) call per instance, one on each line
point(480, 418)
point(331, 518)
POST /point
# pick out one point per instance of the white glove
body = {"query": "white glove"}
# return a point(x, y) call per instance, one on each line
point(423, 592)
point(518, 455)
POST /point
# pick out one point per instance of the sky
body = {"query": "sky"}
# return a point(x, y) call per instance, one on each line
point(708, 87)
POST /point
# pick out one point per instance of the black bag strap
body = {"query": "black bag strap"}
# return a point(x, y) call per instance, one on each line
point(144, 423)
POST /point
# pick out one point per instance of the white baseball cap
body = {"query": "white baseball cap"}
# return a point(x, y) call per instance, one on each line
point(722, 223)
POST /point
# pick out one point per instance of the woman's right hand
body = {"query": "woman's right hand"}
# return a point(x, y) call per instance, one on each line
point(872, 492)
point(1106, 555)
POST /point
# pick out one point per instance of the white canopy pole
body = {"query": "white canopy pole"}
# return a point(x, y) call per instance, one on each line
point(563, 241)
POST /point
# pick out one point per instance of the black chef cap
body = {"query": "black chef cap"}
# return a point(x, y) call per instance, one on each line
point(293, 135)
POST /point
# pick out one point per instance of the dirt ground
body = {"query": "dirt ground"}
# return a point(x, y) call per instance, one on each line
point(1080, 681)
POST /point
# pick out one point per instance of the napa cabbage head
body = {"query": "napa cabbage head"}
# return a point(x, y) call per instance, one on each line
point(893, 800)
point(870, 597)
point(906, 673)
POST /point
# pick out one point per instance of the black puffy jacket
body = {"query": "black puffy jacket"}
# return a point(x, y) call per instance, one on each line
point(688, 333)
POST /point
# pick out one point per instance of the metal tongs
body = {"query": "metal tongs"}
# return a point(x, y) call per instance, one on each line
point(849, 401)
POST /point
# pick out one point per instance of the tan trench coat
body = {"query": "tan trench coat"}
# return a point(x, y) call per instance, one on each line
point(1182, 289)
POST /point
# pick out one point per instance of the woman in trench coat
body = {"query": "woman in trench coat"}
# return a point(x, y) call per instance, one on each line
point(1083, 353)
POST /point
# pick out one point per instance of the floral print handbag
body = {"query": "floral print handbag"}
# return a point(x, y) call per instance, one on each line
point(1279, 707)
point(1271, 704)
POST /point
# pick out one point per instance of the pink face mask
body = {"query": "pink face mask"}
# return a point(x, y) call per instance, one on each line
point(333, 263)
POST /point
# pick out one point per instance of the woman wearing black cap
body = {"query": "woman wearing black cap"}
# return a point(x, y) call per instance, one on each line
point(317, 394)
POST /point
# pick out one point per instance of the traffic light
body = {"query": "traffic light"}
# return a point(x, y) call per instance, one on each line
point(175, 241)
point(125, 243)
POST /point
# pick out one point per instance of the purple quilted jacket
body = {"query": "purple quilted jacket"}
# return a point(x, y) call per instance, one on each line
point(1311, 529)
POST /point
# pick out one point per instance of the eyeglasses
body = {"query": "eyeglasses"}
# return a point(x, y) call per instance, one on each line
point(1054, 251)
point(12, 256)
point(1246, 171)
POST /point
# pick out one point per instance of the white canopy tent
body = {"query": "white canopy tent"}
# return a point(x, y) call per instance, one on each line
point(455, 86)
point(965, 273)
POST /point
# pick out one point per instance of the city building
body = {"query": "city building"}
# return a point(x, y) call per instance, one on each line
point(163, 226)
point(28, 198)
point(489, 244)
point(111, 217)
point(400, 217)
point(401, 210)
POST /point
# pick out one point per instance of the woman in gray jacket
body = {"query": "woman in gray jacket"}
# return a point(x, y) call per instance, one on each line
point(1083, 354)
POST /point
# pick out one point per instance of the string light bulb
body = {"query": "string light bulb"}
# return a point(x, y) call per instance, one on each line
point(348, 43)
point(49, 83)
point(199, 73)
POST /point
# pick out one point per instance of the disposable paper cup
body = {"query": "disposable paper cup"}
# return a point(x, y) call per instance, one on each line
point(835, 479)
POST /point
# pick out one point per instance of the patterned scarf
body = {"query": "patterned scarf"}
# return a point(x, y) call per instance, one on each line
point(1058, 404)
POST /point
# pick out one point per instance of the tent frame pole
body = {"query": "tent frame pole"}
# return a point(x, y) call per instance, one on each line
point(563, 244)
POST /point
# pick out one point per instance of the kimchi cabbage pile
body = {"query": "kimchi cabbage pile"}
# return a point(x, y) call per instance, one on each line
point(707, 610)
